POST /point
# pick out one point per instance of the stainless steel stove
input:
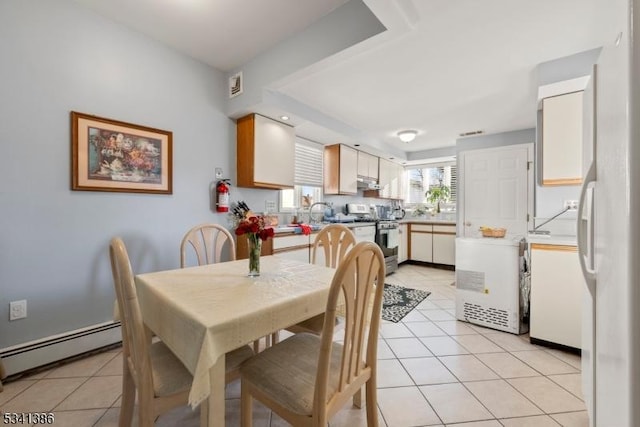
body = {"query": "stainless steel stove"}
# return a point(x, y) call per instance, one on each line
point(387, 235)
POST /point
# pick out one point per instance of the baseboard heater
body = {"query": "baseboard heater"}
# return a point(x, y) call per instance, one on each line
point(33, 354)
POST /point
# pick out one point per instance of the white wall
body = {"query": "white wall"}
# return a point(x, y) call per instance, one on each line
point(58, 57)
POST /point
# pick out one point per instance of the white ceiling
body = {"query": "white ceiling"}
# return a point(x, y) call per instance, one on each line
point(458, 65)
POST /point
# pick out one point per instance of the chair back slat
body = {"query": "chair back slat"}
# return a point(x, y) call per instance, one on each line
point(334, 241)
point(208, 242)
point(357, 283)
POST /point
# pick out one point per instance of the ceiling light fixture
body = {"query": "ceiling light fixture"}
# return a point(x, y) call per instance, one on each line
point(407, 135)
point(285, 118)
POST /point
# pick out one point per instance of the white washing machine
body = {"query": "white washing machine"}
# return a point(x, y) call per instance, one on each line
point(491, 283)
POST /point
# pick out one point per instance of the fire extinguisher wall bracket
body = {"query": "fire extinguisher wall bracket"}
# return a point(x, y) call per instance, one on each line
point(222, 195)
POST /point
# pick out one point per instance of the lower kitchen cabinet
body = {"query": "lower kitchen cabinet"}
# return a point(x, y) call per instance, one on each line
point(421, 242)
point(444, 244)
point(294, 247)
point(432, 243)
point(557, 287)
point(403, 246)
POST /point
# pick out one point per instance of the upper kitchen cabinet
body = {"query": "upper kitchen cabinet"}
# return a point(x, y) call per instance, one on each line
point(367, 165)
point(562, 139)
point(340, 169)
point(265, 153)
point(391, 180)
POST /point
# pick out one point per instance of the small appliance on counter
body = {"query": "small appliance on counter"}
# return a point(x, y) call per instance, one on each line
point(397, 210)
point(340, 218)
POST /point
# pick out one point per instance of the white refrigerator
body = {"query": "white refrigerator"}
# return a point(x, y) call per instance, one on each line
point(608, 224)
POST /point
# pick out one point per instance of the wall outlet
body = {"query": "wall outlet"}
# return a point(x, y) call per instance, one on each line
point(18, 309)
point(270, 206)
point(571, 204)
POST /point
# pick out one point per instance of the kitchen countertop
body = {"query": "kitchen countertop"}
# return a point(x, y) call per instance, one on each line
point(318, 227)
point(554, 239)
point(420, 220)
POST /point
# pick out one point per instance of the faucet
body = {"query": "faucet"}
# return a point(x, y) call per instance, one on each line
point(312, 220)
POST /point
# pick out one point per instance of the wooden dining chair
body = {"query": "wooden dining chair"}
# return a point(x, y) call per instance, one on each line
point(207, 241)
point(330, 246)
point(149, 367)
point(307, 378)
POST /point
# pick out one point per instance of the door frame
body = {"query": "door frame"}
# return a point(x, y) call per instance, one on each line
point(460, 160)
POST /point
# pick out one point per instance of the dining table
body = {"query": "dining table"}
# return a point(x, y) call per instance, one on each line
point(201, 313)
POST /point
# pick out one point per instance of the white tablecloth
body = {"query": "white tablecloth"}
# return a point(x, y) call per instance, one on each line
point(203, 312)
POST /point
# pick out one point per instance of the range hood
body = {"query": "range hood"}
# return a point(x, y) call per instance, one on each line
point(368, 183)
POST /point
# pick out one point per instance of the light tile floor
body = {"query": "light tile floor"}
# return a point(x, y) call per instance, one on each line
point(433, 371)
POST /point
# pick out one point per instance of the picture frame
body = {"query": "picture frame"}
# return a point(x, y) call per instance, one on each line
point(115, 156)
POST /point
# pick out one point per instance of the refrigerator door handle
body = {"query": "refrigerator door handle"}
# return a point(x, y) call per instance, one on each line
point(585, 229)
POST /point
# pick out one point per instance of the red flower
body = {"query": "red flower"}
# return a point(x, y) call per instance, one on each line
point(254, 225)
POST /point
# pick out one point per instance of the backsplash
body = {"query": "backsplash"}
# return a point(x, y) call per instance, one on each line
point(563, 226)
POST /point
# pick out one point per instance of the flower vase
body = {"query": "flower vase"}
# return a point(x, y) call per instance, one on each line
point(255, 247)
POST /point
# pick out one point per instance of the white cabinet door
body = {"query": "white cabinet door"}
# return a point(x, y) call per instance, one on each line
point(348, 170)
point(365, 234)
point(295, 254)
point(275, 142)
point(562, 139)
point(292, 247)
point(444, 244)
point(403, 248)
point(422, 246)
point(367, 165)
point(386, 176)
point(557, 287)
point(373, 167)
point(363, 163)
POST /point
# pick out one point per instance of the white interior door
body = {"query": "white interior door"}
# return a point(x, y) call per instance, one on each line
point(496, 189)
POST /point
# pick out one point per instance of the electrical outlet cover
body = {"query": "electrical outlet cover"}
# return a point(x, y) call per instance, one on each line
point(17, 309)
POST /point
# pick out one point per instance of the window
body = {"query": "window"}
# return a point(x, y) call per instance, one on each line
point(421, 179)
point(308, 177)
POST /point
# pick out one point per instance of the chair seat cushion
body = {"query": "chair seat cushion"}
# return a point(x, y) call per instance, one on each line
point(169, 374)
point(236, 357)
point(287, 371)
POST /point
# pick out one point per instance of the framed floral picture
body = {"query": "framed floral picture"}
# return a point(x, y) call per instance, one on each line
point(109, 155)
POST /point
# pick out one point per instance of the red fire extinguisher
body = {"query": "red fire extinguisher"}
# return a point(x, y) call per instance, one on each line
point(222, 195)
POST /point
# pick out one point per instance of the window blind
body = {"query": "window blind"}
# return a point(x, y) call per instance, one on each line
point(308, 167)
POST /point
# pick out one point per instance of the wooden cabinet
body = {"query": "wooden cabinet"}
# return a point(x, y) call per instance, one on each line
point(340, 169)
point(557, 287)
point(242, 247)
point(421, 242)
point(403, 247)
point(292, 246)
point(397, 174)
point(562, 117)
point(367, 165)
point(391, 180)
point(386, 175)
point(444, 244)
point(265, 153)
point(433, 243)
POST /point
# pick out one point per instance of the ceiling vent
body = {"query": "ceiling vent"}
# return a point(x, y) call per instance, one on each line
point(471, 133)
point(235, 85)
